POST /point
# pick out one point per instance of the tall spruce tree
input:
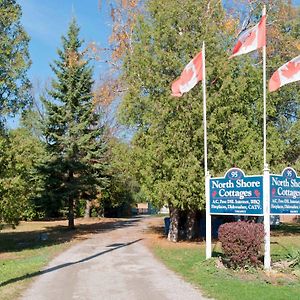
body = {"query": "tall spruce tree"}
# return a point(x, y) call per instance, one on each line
point(73, 131)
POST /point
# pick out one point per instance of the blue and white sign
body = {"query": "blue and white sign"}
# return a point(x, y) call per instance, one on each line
point(236, 194)
point(285, 193)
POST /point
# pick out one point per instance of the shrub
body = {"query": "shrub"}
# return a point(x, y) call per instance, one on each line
point(241, 243)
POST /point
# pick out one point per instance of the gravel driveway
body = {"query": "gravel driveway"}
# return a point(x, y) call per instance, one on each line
point(110, 265)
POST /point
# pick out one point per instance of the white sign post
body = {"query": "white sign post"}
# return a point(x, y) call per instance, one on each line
point(266, 180)
point(208, 217)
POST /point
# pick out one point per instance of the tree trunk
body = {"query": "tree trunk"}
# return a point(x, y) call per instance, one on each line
point(190, 225)
point(71, 224)
point(88, 206)
point(173, 230)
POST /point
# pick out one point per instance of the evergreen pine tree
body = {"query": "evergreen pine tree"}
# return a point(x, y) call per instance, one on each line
point(73, 131)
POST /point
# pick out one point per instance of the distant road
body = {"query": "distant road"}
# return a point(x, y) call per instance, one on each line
point(112, 265)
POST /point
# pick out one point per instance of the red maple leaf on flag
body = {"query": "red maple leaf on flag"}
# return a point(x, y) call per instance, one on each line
point(250, 39)
point(187, 75)
point(291, 69)
point(257, 193)
point(273, 191)
point(214, 193)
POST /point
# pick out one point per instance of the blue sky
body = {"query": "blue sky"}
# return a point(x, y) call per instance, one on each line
point(46, 21)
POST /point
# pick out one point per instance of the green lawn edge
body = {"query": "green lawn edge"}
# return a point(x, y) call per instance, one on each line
point(219, 283)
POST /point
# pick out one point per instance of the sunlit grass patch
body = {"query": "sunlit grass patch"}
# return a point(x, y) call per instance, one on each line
point(218, 282)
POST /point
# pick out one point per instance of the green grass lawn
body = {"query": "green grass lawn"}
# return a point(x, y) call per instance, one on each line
point(25, 251)
point(221, 283)
point(20, 267)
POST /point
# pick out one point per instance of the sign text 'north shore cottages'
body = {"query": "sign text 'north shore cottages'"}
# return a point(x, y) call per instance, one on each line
point(285, 193)
point(236, 194)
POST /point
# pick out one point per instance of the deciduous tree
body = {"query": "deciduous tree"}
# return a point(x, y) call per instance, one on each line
point(168, 143)
point(20, 180)
point(14, 60)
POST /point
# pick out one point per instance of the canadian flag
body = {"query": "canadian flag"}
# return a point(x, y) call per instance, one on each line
point(289, 72)
point(189, 77)
point(252, 39)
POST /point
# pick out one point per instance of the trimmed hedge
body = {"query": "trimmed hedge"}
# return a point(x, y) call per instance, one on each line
point(241, 243)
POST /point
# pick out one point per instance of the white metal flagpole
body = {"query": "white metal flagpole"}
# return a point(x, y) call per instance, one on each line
point(207, 176)
point(265, 99)
point(204, 108)
point(266, 180)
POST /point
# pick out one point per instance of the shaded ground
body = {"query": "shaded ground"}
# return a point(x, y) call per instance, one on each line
point(155, 236)
point(32, 235)
point(113, 263)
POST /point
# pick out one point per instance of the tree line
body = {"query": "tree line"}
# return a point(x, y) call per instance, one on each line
point(77, 163)
point(168, 142)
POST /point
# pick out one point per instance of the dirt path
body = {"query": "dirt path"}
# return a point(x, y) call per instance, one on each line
point(110, 265)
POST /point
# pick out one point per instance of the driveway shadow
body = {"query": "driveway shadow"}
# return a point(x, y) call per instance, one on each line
point(58, 267)
point(53, 235)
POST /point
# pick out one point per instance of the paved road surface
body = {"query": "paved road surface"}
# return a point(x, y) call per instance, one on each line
point(110, 265)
